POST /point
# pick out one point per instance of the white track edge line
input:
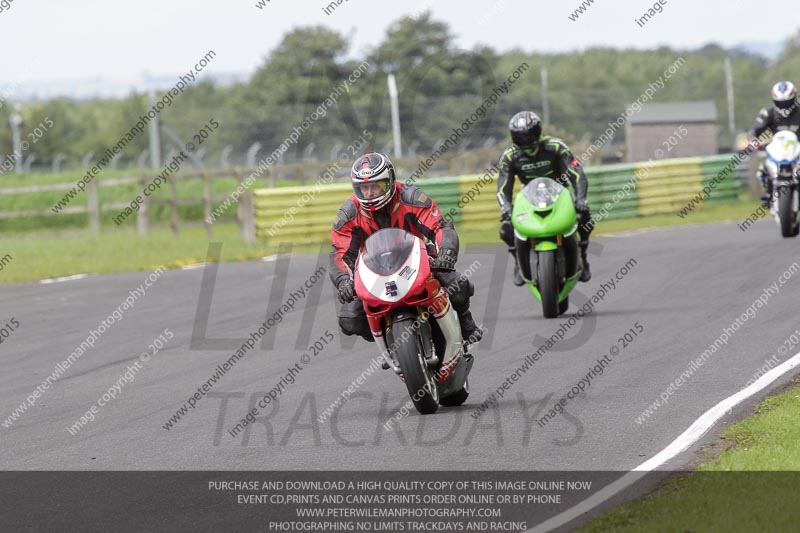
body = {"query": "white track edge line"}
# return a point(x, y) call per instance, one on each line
point(65, 278)
point(193, 266)
point(686, 439)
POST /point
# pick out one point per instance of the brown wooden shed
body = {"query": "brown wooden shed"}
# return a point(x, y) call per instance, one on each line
point(665, 131)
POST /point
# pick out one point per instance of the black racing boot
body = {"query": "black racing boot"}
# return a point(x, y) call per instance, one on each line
point(586, 275)
point(518, 281)
point(470, 331)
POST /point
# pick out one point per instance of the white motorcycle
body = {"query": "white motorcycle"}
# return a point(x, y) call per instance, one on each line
point(782, 165)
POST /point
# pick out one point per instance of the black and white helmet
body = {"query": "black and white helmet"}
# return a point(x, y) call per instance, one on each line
point(526, 128)
point(784, 96)
point(373, 180)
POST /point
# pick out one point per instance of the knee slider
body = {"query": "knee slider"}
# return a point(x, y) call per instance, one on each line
point(353, 325)
point(470, 288)
point(462, 290)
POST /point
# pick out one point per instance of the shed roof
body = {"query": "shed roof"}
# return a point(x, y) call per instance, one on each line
point(702, 111)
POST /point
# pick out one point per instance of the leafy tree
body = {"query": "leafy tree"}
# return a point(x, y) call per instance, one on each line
point(440, 86)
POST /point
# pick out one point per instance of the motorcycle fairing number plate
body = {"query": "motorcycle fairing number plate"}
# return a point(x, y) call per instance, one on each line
point(391, 288)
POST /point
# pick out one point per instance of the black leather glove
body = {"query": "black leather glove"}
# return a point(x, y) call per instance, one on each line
point(581, 206)
point(505, 212)
point(445, 261)
point(346, 291)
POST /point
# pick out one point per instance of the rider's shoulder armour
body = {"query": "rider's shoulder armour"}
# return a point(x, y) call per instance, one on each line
point(346, 213)
point(509, 153)
point(554, 144)
point(412, 196)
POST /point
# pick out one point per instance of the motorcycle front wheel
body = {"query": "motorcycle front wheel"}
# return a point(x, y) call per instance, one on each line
point(563, 306)
point(786, 214)
point(417, 374)
point(548, 283)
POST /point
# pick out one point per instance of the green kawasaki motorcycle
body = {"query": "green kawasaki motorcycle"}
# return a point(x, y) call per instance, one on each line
point(545, 230)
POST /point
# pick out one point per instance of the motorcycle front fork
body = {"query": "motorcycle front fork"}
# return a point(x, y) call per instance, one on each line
point(446, 320)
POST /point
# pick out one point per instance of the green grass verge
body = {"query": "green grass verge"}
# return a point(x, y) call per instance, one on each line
point(737, 211)
point(39, 256)
point(748, 487)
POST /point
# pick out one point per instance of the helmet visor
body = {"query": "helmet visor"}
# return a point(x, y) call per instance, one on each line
point(371, 190)
point(785, 105)
point(525, 139)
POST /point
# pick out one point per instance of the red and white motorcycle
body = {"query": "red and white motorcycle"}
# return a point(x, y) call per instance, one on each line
point(411, 318)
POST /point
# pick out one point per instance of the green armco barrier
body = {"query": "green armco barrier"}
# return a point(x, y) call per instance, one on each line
point(623, 190)
point(445, 192)
point(478, 197)
point(727, 190)
point(607, 181)
point(665, 186)
point(314, 211)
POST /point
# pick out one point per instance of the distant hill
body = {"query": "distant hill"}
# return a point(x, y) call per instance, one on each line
point(99, 87)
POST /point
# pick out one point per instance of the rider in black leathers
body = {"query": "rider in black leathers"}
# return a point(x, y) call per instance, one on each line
point(535, 155)
point(783, 115)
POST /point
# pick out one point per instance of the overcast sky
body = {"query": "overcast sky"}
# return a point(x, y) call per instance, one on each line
point(119, 40)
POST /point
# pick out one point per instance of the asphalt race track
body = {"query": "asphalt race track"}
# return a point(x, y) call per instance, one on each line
point(688, 283)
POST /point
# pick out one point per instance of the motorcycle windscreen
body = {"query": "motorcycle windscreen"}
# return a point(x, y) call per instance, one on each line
point(542, 193)
point(543, 209)
point(387, 250)
point(784, 150)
